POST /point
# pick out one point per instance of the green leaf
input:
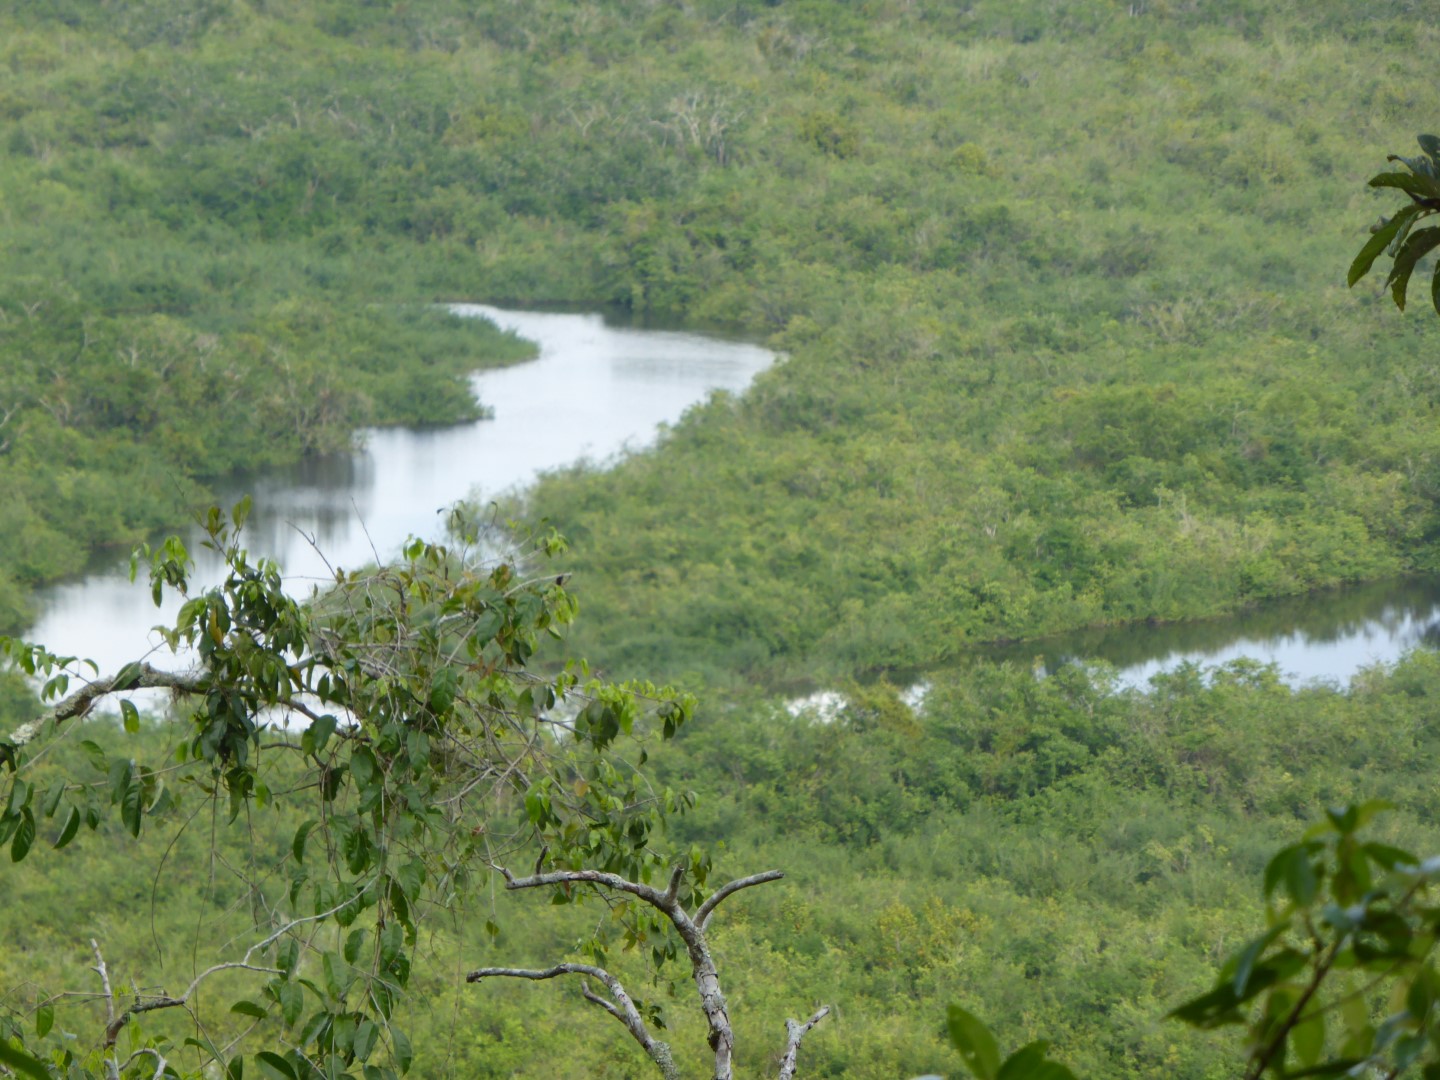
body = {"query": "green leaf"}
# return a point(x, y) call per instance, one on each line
point(19, 796)
point(131, 797)
point(297, 846)
point(130, 716)
point(365, 1036)
point(1291, 867)
point(53, 797)
point(1307, 1038)
point(1024, 1063)
point(404, 1054)
point(274, 1066)
point(1417, 246)
point(1423, 187)
point(318, 734)
point(96, 754)
point(128, 677)
point(24, 837)
point(292, 1002)
point(249, 1008)
point(22, 1062)
point(354, 944)
point(1245, 962)
point(1387, 857)
point(391, 939)
point(44, 1019)
point(70, 828)
point(1378, 243)
point(974, 1042)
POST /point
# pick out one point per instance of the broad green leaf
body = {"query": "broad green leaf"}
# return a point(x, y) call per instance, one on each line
point(354, 943)
point(1245, 963)
point(130, 716)
point(128, 677)
point(318, 734)
point(1292, 868)
point(1378, 243)
point(297, 845)
point(22, 1062)
point(44, 1019)
point(1423, 187)
point(24, 837)
point(69, 829)
point(1416, 247)
point(1307, 1038)
point(274, 1066)
point(131, 798)
point(249, 1008)
point(19, 796)
point(970, 1036)
point(404, 1055)
point(53, 797)
point(365, 1037)
point(292, 1002)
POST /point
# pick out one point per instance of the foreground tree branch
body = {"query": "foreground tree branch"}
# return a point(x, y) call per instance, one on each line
point(691, 930)
point(621, 1005)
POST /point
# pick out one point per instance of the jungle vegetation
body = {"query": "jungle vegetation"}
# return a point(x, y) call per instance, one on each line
point(1061, 289)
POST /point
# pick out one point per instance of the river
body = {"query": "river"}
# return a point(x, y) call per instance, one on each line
point(596, 390)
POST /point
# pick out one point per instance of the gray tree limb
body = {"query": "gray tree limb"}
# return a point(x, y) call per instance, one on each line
point(621, 1006)
point(691, 930)
point(794, 1032)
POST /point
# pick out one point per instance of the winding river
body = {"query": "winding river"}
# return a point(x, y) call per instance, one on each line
point(596, 390)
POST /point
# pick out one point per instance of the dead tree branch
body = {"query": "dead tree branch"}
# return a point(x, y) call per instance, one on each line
point(620, 1005)
point(794, 1032)
point(691, 929)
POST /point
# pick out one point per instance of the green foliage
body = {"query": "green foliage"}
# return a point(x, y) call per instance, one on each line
point(1397, 235)
point(398, 711)
point(1352, 932)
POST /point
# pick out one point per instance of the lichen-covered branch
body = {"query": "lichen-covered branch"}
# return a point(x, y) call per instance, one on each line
point(794, 1032)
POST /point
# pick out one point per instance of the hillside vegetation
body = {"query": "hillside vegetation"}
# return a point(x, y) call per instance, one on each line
point(1060, 288)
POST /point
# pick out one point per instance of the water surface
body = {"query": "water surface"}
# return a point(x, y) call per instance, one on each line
point(594, 391)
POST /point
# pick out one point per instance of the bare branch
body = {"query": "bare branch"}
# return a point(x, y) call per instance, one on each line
point(650, 895)
point(112, 1026)
point(622, 1008)
point(730, 888)
point(794, 1032)
point(672, 894)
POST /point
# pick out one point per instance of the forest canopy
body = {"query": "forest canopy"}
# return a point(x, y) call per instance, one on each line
point(1060, 288)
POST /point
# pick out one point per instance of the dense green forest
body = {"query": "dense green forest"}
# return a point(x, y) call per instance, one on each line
point(1061, 292)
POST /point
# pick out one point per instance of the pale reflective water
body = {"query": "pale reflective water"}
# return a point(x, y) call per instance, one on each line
point(594, 391)
point(1326, 636)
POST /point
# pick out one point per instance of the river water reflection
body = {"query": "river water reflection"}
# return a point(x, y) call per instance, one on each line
point(595, 389)
point(1323, 636)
